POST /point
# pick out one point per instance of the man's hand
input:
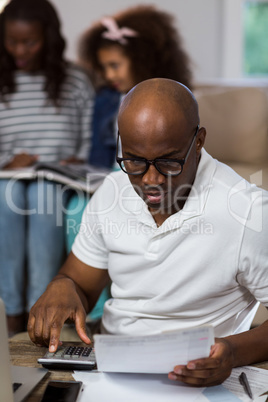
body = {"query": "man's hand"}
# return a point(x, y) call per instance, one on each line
point(59, 303)
point(209, 371)
point(21, 160)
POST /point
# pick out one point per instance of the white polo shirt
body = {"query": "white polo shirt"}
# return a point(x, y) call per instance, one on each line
point(206, 264)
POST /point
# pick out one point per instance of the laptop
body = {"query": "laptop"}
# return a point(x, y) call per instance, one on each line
point(16, 382)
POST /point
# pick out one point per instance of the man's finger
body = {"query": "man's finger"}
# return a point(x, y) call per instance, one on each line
point(206, 363)
point(30, 327)
point(80, 325)
point(195, 381)
point(55, 331)
point(35, 331)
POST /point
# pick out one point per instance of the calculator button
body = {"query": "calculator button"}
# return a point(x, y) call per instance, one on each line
point(70, 350)
point(86, 352)
point(78, 351)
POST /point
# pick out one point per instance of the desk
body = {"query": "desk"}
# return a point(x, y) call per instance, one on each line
point(25, 353)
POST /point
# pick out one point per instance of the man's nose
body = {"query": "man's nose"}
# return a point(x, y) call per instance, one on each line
point(152, 177)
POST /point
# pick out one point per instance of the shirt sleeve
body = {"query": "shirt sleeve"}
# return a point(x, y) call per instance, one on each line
point(89, 246)
point(253, 258)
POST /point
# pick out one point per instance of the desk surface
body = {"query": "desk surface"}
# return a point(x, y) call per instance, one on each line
point(25, 353)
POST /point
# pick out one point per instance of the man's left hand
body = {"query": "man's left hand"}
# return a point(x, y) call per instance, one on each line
point(209, 371)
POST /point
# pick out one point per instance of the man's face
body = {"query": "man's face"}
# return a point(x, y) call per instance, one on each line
point(156, 133)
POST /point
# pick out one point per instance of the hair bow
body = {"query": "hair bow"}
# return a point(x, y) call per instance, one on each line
point(115, 33)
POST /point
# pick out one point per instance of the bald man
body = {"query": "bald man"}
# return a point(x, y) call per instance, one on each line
point(180, 236)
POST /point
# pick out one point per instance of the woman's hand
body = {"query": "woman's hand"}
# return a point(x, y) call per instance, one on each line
point(209, 371)
point(21, 160)
point(71, 159)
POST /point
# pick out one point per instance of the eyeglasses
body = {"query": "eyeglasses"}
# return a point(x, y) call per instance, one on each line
point(167, 167)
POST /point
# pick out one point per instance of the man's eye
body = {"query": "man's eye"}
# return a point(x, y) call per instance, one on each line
point(137, 162)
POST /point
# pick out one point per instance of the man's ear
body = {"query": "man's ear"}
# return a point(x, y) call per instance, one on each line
point(200, 139)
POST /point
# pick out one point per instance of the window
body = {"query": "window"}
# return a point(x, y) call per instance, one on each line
point(255, 31)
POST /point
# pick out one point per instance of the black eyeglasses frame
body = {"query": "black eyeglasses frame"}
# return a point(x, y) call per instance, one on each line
point(154, 161)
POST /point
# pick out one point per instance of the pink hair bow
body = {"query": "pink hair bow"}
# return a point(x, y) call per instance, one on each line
point(115, 33)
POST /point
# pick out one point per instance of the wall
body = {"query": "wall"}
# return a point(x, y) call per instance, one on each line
point(199, 21)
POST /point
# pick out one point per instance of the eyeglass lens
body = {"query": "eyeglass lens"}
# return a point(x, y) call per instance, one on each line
point(140, 166)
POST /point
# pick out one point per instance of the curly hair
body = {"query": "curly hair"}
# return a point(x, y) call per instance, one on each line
point(157, 50)
point(53, 64)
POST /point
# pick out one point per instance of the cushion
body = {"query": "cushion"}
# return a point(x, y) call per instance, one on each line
point(236, 119)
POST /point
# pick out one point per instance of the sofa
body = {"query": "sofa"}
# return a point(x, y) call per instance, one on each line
point(236, 118)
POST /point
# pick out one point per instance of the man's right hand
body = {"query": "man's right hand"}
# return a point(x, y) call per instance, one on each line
point(60, 302)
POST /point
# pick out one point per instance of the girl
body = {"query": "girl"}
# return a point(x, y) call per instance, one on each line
point(45, 113)
point(123, 50)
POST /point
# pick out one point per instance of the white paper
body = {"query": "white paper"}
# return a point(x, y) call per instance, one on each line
point(232, 391)
point(218, 394)
point(103, 387)
point(114, 387)
point(154, 353)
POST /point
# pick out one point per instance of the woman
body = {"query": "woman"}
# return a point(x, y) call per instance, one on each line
point(45, 113)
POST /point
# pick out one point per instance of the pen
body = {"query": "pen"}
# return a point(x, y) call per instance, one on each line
point(244, 381)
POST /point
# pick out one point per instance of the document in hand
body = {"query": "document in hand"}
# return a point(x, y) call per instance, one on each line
point(152, 353)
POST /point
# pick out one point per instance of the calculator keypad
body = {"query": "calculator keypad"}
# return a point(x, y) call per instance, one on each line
point(73, 352)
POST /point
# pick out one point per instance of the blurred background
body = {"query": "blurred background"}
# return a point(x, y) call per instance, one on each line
point(226, 39)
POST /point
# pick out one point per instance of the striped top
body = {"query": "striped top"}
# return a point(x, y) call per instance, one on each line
point(31, 123)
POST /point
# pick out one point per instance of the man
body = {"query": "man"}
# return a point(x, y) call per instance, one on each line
point(180, 236)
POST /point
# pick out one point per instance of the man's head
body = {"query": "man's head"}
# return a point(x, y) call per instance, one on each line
point(159, 119)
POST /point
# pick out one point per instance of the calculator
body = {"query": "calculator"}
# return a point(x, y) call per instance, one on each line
point(70, 358)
